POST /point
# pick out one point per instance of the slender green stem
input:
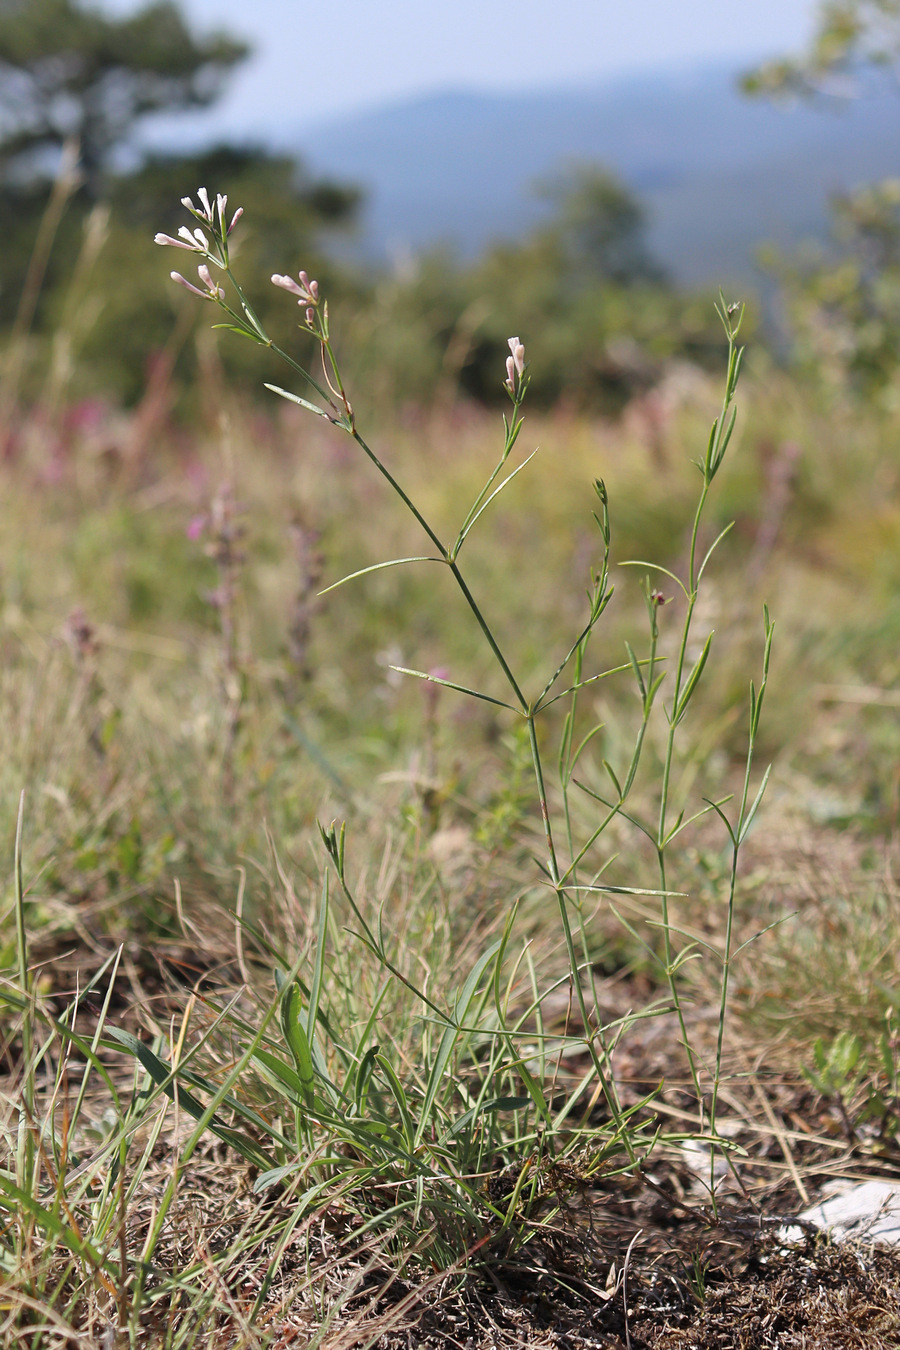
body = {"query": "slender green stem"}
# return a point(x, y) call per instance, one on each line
point(600, 1061)
point(709, 467)
point(25, 1150)
point(454, 567)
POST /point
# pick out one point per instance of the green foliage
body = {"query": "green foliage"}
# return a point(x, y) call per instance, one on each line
point(118, 320)
point(843, 306)
point(594, 308)
point(597, 230)
point(70, 72)
point(850, 36)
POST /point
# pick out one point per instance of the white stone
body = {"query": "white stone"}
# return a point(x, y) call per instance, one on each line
point(868, 1210)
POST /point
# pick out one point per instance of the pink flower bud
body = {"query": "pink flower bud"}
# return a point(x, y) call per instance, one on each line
point(518, 354)
point(173, 243)
point(307, 292)
point(235, 218)
point(510, 372)
point(287, 284)
point(205, 203)
point(206, 277)
point(212, 292)
point(176, 276)
point(310, 317)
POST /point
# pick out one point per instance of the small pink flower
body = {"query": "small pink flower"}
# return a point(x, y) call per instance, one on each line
point(205, 210)
point(206, 277)
point(196, 526)
point(307, 292)
point(212, 292)
point(172, 243)
point(185, 240)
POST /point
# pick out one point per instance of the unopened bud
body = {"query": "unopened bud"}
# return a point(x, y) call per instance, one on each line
point(174, 243)
point(188, 286)
point(205, 276)
point(286, 284)
point(510, 372)
point(310, 317)
point(518, 355)
point(235, 218)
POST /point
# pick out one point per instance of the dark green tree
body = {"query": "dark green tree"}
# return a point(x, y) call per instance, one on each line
point(69, 72)
point(597, 230)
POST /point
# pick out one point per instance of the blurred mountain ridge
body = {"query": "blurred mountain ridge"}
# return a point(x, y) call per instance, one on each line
point(719, 173)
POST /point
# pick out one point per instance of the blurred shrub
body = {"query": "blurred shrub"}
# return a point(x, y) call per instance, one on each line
point(595, 310)
point(842, 305)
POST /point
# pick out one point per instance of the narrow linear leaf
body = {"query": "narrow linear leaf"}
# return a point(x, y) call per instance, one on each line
point(451, 1036)
point(241, 332)
point(163, 1075)
point(399, 1095)
point(301, 402)
point(635, 666)
point(625, 890)
point(448, 684)
point(693, 680)
point(364, 1078)
point(724, 819)
point(585, 742)
point(292, 1024)
point(52, 1223)
point(377, 567)
point(776, 923)
point(711, 550)
point(279, 1073)
point(487, 1108)
point(757, 801)
point(496, 492)
point(655, 567)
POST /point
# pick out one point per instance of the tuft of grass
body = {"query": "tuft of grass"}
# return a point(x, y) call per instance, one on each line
point(343, 1073)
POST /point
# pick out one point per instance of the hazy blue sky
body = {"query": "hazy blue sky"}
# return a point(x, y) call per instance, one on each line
point(316, 60)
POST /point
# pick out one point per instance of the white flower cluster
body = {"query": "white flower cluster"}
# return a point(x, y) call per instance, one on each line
point(196, 241)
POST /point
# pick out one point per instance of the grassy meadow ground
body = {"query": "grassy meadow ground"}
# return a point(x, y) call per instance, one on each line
point(181, 708)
